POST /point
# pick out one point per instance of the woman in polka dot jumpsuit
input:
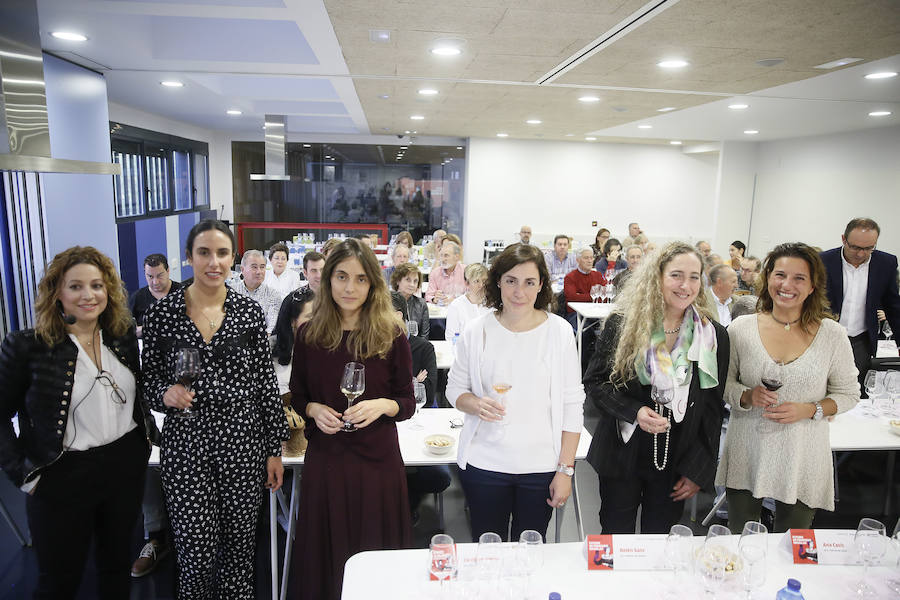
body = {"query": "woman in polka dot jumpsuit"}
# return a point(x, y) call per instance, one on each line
point(214, 465)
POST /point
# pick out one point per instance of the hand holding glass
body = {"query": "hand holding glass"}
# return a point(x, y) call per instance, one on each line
point(187, 369)
point(353, 384)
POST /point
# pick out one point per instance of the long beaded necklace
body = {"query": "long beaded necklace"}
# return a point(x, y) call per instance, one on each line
point(668, 414)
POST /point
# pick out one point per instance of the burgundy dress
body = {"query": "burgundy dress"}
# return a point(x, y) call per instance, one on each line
point(353, 491)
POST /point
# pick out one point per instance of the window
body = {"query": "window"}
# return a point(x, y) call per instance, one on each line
point(201, 180)
point(128, 187)
point(157, 165)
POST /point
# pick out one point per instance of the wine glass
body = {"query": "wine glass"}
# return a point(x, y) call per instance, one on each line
point(871, 543)
point(711, 566)
point(892, 383)
point(595, 292)
point(610, 292)
point(353, 384)
point(894, 581)
point(874, 386)
point(886, 330)
point(772, 379)
point(443, 558)
point(412, 327)
point(752, 548)
point(602, 294)
point(532, 544)
point(421, 397)
point(489, 555)
point(677, 557)
point(187, 369)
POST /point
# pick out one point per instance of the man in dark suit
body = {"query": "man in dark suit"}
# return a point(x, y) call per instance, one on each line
point(862, 280)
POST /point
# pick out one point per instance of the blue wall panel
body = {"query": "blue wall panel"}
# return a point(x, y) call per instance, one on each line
point(185, 222)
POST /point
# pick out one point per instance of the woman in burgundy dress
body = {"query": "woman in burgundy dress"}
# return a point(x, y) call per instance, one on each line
point(353, 493)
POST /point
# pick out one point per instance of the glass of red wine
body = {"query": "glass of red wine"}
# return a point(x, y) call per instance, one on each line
point(772, 379)
point(187, 369)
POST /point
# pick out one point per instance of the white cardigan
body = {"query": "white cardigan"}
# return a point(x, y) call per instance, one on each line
point(566, 390)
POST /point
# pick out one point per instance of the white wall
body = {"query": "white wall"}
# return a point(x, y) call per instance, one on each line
point(738, 163)
point(809, 188)
point(561, 187)
point(220, 189)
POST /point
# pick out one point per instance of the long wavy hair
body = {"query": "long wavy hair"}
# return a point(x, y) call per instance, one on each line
point(816, 306)
point(641, 304)
point(114, 320)
point(378, 325)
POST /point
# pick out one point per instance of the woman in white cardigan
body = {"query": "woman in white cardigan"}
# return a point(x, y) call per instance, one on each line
point(777, 443)
point(517, 378)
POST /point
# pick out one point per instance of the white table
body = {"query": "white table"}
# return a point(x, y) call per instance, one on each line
point(588, 310)
point(436, 312)
point(564, 570)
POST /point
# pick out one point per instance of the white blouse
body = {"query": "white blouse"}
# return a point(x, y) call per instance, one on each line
point(284, 284)
point(460, 312)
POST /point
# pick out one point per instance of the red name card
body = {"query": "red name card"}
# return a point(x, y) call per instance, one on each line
point(625, 552)
point(821, 546)
point(600, 552)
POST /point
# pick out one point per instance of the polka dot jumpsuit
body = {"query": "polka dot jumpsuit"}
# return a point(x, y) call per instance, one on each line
point(214, 465)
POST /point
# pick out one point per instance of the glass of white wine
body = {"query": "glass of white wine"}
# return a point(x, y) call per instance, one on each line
point(353, 384)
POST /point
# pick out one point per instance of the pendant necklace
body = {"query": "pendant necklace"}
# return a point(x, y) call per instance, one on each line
point(787, 325)
point(212, 323)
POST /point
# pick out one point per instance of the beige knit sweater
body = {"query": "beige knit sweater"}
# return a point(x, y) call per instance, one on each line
point(794, 463)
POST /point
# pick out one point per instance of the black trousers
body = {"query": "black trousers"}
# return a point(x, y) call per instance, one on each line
point(88, 496)
point(862, 357)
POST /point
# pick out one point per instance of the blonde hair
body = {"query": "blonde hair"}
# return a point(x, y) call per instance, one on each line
point(641, 304)
point(49, 325)
point(377, 326)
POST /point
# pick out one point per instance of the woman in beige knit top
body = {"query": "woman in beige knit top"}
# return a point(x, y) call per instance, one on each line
point(777, 443)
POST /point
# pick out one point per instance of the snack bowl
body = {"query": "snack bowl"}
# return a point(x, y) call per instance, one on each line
point(894, 426)
point(439, 443)
point(733, 562)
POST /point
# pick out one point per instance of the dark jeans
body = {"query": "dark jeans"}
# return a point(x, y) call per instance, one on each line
point(495, 497)
point(862, 357)
point(88, 496)
point(743, 507)
point(650, 489)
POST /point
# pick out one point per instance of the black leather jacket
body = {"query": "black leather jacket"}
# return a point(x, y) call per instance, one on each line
point(36, 382)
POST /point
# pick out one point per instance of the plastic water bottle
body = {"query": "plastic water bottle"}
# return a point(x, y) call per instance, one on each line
point(455, 339)
point(554, 596)
point(790, 592)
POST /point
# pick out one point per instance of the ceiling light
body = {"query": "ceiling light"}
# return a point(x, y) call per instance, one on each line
point(770, 62)
point(268, 124)
point(881, 75)
point(379, 36)
point(738, 106)
point(307, 145)
point(751, 131)
point(534, 121)
point(384, 96)
point(502, 135)
point(233, 112)
point(172, 83)
point(459, 147)
point(589, 99)
point(428, 92)
point(570, 135)
point(675, 142)
point(69, 36)
point(645, 126)
point(406, 132)
point(879, 113)
point(673, 63)
point(417, 117)
point(837, 63)
point(448, 47)
point(591, 139)
point(665, 109)
point(403, 147)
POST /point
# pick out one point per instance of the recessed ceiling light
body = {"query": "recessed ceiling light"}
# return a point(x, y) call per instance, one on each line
point(307, 145)
point(589, 99)
point(428, 92)
point(417, 117)
point(404, 147)
point(751, 131)
point(881, 75)
point(384, 96)
point(534, 121)
point(837, 63)
point(172, 83)
point(69, 36)
point(672, 63)
point(233, 111)
point(459, 147)
point(879, 113)
point(591, 139)
point(770, 62)
point(406, 132)
point(645, 126)
point(738, 106)
point(448, 47)
point(665, 109)
point(502, 135)
point(379, 36)
point(675, 142)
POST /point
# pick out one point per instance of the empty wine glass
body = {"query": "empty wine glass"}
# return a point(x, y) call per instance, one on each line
point(711, 566)
point(421, 398)
point(772, 379)
point(677, 557)
point(873, 383)
point(886, 330)
point(892, 384)
point(871, 543)
point(187, 369)
point(595, 292)
point(412, 328)
point(443, 558)
point(353, 384)
point(610, 292)
point(532, 544)
point(753, 547)
point(489, 555)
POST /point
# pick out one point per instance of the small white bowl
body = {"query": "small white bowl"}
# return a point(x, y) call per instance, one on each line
point(439, 443)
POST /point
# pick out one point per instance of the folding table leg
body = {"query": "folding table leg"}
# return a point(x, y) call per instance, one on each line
point(273, 542)
point(577, 508)
point(291, 530)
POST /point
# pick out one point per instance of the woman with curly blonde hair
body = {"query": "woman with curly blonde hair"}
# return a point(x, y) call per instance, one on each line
point(83, 443)
point(657, 377)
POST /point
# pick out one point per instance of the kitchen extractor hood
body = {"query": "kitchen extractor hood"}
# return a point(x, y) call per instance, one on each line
point(276, 158)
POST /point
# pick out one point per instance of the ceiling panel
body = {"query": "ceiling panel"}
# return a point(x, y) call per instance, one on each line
point(253, 3)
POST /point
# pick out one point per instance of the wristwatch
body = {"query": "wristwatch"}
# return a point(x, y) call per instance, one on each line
point(566, 469)
point(819, 412)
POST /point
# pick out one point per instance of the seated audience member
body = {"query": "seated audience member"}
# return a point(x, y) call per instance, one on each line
point(750, 268)
point(560, 262)
point(452, 237)
point(313, 263)
point(578, 283)
point(282, 279)
point(743, 305)
point(253, 269)
point(407, 279)
point(329, 245)
point(703, 248)
point(644, 242)
point(405, 237)
point(525, 234)
point(720, 293)
point(633, 257)
point(296, 309)
point(156, 271)
point(433, 247)
point(399, 256)
point(736, 254)
point(612, 262)
point(471, 304)
point(447, 281)
point(634, 230)
point(599, 243)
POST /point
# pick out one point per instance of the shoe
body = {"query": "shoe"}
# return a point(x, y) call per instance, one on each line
point(152, 552)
